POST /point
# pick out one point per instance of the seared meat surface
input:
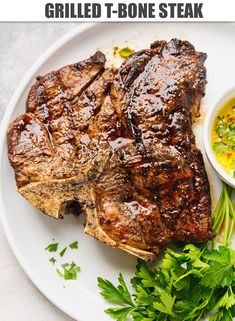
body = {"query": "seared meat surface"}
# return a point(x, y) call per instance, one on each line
point(119, 144)
point(43, 143)
point(165, 196)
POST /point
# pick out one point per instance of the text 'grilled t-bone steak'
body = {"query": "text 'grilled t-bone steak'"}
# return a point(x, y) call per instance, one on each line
point(118, 145)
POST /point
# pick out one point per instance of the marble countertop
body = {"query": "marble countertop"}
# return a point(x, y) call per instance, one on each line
point(21, 45)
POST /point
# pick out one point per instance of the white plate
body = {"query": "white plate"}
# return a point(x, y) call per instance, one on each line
point(27, 230)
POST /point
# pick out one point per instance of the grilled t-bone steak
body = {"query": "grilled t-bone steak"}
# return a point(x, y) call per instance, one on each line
point(118, 145)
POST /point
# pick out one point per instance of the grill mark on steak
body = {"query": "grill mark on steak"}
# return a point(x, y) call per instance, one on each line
point(158, 110)
point(120, 145)
point(53, 97)
point(66, 121)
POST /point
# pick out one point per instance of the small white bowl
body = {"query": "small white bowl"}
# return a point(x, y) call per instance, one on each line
point(210, 117)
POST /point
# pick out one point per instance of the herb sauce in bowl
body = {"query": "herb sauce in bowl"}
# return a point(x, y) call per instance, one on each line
point(223, 136)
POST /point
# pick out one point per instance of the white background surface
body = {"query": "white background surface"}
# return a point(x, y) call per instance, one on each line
point(20, 45)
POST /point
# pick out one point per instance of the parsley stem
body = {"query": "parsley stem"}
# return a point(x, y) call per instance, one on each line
point(220, 220)
point(224, 215)
point(215, 216)
point(230, 215)
point(227, 218)
point(230, 231)
point(200, 315)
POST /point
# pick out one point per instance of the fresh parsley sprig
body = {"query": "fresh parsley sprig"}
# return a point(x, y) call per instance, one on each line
point(117, 295)
point(193, 282)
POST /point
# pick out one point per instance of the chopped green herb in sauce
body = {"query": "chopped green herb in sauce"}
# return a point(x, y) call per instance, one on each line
point(223, 136)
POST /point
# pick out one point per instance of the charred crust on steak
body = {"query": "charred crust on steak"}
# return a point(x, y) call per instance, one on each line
point(118, 146)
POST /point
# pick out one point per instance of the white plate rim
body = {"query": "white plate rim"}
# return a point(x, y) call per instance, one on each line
point(3, 128)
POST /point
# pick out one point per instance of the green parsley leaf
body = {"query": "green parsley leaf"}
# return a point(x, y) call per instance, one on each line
point(70, 271)
point(221, 270)
point(227, 300)
point(117, 295)
point(74, 245)
point(145, 315)
point(52, 247)
point(70, 274)
point(222, 315)
point(63, 251)
point(122, 288)
point(193, 253)
point(166, 302)
point(125, 52)
point(52, 260)
point(119, 314)
point(65, 265)
point(59, 273)
point(143, 274)
point(221, 255)
point(143, 296)
point(194, 272)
